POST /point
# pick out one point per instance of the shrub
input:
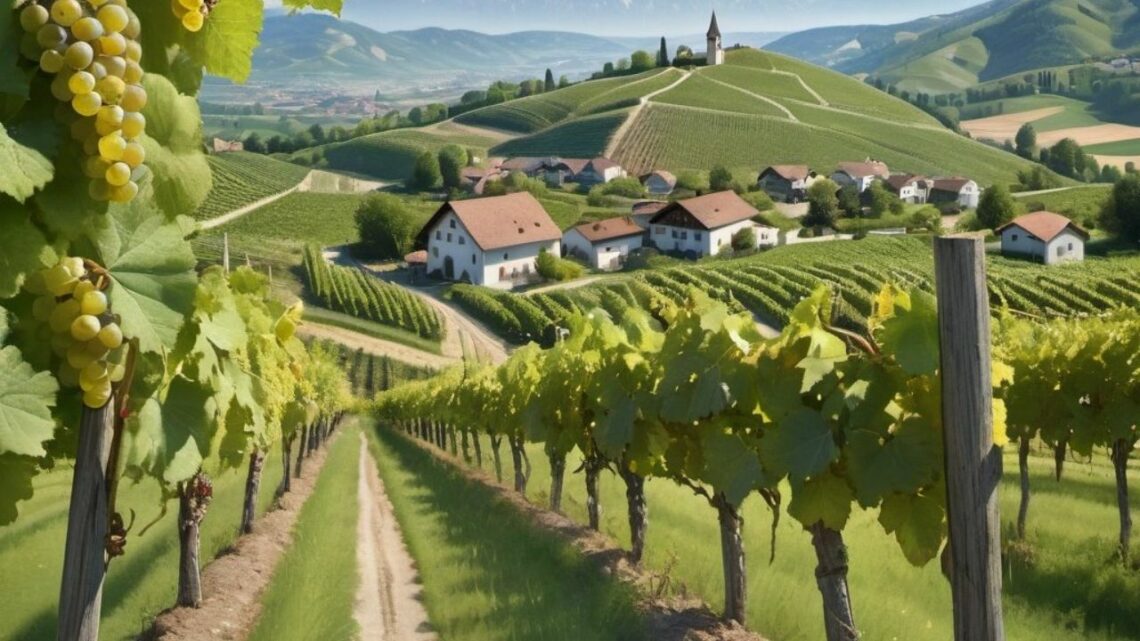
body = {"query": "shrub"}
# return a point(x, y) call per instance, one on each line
point(426, 174)
point(758, 199)
point(996, 207)
point(823, 204)
point(452, 160)
point(387, 228)
point(1121, 214)
point(720, 178)
point(598, 198)
point(552, 267)
point(691, 180)
point(626, 187)
point(744, 239)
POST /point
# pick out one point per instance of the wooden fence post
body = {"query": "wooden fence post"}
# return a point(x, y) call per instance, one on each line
point(973, 464)
point(226, 252)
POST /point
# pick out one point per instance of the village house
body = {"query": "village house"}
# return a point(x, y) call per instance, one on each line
point(704, 226)
point(563, 170)
point(860, 175)
point(909, 188)
point(598, 172)
point(221, 146)
point(659, 183)
point(528, 166)
point(1043, 236)
point(963, 191)
point(714, 53)
point(786, 183)
point(643, 211)
point(604, 244)
point(489, 241)
point(475, 179)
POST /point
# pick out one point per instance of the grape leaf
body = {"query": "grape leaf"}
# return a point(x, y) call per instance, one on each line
point(152, 269)
point(13, 81)
point(25, 169)
point(26, 399)
point(171, 434)
point(825, 498)
point(731, 466)
point(901, 463)
point(173, 144)
point(911, 334)
point(333, 6)
point(918, 524)
point(225, 44)
point(23, 248)
point(16, 474)
point(803, 444)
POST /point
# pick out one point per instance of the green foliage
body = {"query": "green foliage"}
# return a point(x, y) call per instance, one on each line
point(1121, 213)
point(996, 207)
point(744, 239)
point(552, 267)
point(241, 179)
point(387, 228)
point(452, 160)
point(823, 204)
point(629, 187)
point(426, 173)
point(720, 178)
point(641, 61)
point(1026, 141)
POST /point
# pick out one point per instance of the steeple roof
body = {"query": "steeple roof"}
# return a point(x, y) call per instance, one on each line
point(714, 29)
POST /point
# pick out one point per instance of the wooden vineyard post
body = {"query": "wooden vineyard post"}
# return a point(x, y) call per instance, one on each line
point(973, 464)
point(226, 252)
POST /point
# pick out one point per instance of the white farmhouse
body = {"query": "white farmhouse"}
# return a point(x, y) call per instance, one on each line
point(604, 244)
point(705, 225)
point(1044, 236)
point(490, 241)
point(963, 191)
point(599, 171)
point(786, 183)
point(909, 188)
point(860, 175)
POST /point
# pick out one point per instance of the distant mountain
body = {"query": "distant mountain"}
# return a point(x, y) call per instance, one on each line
point(320, 50)
point(993, 40)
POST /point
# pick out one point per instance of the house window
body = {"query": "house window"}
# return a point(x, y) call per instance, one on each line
point(609, 249)
point(449, 237)
point(506, 256)
point(684, 235)
point(453, 223)
point(435, 251)
point(1070, 247)
point(472, 259)
point(462, 240)
point(659, 230)
point(697, 235)
point(1013, 238)
point(438, 234)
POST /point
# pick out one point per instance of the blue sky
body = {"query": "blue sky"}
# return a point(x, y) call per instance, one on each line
point(635, 17)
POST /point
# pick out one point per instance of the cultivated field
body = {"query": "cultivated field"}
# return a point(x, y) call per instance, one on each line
point(390, 155)
point(242, 178)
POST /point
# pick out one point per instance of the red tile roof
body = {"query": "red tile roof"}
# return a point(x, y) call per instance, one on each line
point(663, 175)
point(952, 185)
point(601, 164)
point(648, 207)
point(501, 221)
point(865, 169)
point(609, 229)
point(713, 210)
point(790, 173)
point(417, 258)
point(1044, 225)
point(898, 181)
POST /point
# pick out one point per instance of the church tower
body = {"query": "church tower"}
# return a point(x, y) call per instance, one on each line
point(715, 51)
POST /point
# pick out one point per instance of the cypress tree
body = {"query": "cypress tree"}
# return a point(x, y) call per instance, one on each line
point(663, 56)
point(550, 86)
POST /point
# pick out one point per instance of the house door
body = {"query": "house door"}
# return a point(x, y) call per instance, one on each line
point(449, 268)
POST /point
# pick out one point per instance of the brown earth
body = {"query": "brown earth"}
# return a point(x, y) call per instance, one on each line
point(1005, 126)
point(1118, 161)
point(668, 617)
point(234, 582)
point(1085, 136)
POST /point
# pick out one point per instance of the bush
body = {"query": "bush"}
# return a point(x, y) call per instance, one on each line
point(758, 199)
point(387, 228)
point(598, 198)
point(426, 174)
point(927, 218)
point(625, 187)
point(552, 267)
point(1121, 214)
point(452, 160)
point(691, 180)
point(823, 204)
point(996, 207)
point(720, 178)
point(744, 239)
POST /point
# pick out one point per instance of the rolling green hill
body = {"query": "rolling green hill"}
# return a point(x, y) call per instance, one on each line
point(949, 53)
point(242, 178)
point(389, 155)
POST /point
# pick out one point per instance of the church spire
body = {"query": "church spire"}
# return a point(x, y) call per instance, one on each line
point(714, 29)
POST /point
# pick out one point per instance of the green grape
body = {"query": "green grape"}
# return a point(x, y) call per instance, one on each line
point(124, 193)
point(133, 74)
point(116, 373)
point(111, 336)
point(134, 155)
point(81, 83)
point(111, 88)
point(97, 397)
point(134, 98)
point(98, 70)
point(96, 3)
point(35, 284)
point(52, 61)
point(118, 174)
point(104, 128)
point(66, 12)
point(84, 288)
point(63, 315)
point(93, 303)
point(134, 28)
point(112, 44)
point(57, 280)
point(99, 190)
point(79, 55)
point(116, 66)
point(78, 357)
point(87, 29)
point(85, 327)
point(92, 375)
point(134, 51)
point(91, 145)
point(51, 36)
point(133, 125)
point(42, 308)
point(74, 266)
point(113, 17)
point(193, 21)
point(190, 5)
point(112, 114)
point(111, 147)
point(33, 17)
point(87, 104)
point(96, 349)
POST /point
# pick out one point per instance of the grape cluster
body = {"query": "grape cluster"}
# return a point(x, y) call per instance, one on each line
point(192, 13)
point(83, 333)
point(91, 49)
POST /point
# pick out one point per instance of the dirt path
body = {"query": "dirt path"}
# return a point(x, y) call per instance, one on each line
point(377, 346)
point(791, 116)
point(238, 213)
point(806, 86)
point(233, 583)
point(615, 140)
point(389, 604)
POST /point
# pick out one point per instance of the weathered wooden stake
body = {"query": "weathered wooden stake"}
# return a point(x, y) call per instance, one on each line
point(84, 558)
point(973, 464)
point(226, 252)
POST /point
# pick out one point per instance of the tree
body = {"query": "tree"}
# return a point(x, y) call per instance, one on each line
point(823, 204)
point(684, 53)
point(622, 64)
point(1026, 140)
point(882, 200)
point(720, 178)
point(473, 97)
point(608, 68)
point(318, 134)
point(425, 175)
point(416, 115)
point(387, 228)
point(641, 61)
point(850, 201)
point(663, 54)
point(253, 143)
point(452, 160)
point(563, 82)
point(550, 80)
point(744, 239)
point(1121, 214)
point(996, 207)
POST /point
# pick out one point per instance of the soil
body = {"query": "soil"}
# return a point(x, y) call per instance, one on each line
point(1086, 136)
point(389, 604)
point(1119, 161)
point(668, 617)
point(234, 582)
point(1005, 126)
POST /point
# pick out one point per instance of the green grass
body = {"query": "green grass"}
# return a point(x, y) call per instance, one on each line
point(242, 178)
point(703, 93)
point(1075, 113)
point(389, 155)
point(322, 316)
point(1082, 204)
point(326, 219)
point(140, 584)
point(313, 590)
point(1119, 148)
point(488, 574)
point(1072, 590)
point(240, 127)
point(630, 93)
point(581, 137)
point(760, 81)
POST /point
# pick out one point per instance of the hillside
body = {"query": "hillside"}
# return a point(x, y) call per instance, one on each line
point(996, 39)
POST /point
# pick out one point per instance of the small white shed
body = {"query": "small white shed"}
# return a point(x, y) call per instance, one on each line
point(1043, 236)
